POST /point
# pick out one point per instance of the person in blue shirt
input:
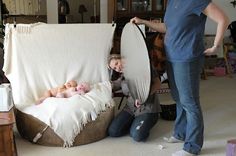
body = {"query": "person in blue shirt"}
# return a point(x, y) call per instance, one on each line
point(184, 26)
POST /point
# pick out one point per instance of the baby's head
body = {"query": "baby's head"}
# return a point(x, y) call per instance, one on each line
point(115, 63)
point(70, 84)
point(83, 87)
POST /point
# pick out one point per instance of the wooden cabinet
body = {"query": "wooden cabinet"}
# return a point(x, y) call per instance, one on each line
point(121, 11)
point(7, 142)
point(142, 8)
point(147, 9)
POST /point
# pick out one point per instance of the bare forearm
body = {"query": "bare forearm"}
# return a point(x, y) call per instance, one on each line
point(160, 27)
point(221, 28)
point(217, 15)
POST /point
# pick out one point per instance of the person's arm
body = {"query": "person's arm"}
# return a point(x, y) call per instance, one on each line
point(160, 27)
point(155, 86)
point(216, 14)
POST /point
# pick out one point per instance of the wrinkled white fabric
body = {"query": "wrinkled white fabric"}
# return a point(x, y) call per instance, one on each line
point(41, 56)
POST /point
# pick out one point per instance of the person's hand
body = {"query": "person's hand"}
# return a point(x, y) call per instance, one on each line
point(136, 20)
point(211, 51)
point(137, 103)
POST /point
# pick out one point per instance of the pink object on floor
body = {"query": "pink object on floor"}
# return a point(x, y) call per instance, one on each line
point(219, 71)
point(231, 148)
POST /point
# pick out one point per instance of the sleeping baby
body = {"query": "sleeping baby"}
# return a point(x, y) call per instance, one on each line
point(67, 90)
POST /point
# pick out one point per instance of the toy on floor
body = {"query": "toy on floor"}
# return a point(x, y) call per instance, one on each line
point(231, 148)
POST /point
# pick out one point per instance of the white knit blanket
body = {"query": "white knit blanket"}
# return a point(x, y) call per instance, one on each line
point(67, 116)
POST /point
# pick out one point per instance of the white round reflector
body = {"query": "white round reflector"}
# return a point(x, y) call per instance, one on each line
point(136, 62)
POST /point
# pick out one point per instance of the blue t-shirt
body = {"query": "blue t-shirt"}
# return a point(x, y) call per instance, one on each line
point(185, 26)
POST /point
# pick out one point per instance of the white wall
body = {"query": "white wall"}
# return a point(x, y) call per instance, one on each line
point(104, 11)
point(230, 11)
point(52, 11)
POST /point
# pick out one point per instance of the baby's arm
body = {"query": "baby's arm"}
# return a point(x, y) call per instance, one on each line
point(67, 93)
point(60, 95)
point(59, 92)
point(45, 95)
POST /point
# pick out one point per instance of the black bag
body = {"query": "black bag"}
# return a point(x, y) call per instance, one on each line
point(168, 112)
point(232, 28)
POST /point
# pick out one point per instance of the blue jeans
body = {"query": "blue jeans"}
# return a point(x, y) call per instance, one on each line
point(184, 78)
point(138, 127)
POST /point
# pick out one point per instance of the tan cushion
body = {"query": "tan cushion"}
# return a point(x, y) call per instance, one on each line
point(28, 127)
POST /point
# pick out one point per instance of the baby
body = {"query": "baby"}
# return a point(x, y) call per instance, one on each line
point(80, 89)
point(67, 90)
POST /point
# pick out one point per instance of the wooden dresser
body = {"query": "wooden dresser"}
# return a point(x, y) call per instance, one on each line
point(7, 142)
